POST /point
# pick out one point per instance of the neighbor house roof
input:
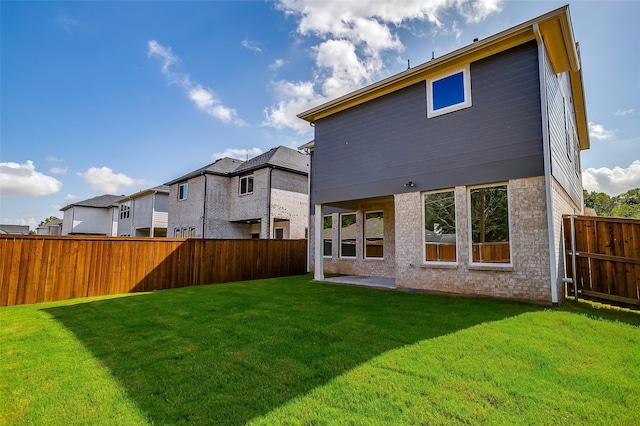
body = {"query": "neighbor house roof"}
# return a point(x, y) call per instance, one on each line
point(162, 189)
point(101, 201)
point(14, 229)
point(553, 29)
point(222, 167)
point(279, 157)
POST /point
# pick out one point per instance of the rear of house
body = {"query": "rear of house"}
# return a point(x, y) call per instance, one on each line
point(453, 176)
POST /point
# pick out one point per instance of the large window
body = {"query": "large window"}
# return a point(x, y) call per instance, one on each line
point(125, 210)
point(348, 235)
point(490, 224)
point(327, 237)
point(373, 234)
point(449, 92)
point(246, 185)
point(440, 226)
point(183, 191)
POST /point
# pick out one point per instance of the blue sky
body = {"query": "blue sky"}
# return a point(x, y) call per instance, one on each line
point(115, 97)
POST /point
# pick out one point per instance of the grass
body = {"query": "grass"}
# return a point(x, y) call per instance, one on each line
point(290, 351)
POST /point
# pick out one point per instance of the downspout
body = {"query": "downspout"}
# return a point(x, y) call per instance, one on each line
point(204, 205)
point(133, 219)
point(153, 213)
point(544, 110)
point(269, 204)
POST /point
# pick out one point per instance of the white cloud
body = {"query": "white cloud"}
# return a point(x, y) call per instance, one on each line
point(597, 131)
point(205, 99)
point(54, 159)
point(355, 37)
point(276, 64)
point(59, 170)
point(105, 180)
point(624, 112)
point(612, 181)
point(238, 153)
point(23, 179)
point(71, 197)
point(67, 22)
point(252, 46)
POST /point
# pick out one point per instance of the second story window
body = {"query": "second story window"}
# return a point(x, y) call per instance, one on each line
point(449, 92)
point(125, 210)
point(183, 191)
point(246, 185)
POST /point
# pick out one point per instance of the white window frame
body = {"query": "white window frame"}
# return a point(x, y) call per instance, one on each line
point(470, 229)
point(330, 255)
point(364, 236)
point(185, 192)
point(177, 233)
point(466, 81)
point(355, 239)
point(246, 178)
point(192, 232)
point(424, 248)
point(125, 210)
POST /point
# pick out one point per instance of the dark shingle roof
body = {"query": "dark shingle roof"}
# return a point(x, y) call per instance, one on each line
point(163, 189)
point(222, 166)
point(101, 201)
point(282, 157)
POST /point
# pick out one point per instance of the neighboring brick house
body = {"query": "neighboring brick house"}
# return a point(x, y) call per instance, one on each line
point(263, 197)
point(145, 213)
point(95, 216)
point(456, 172)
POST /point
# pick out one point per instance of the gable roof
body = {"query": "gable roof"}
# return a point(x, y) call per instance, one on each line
point(161, 189)
point(279, 157)
point(221, 167)
point(553, 29)
point(14, 229)
point(101, 201)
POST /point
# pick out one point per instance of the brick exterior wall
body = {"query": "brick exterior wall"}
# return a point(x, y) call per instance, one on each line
point(527, 278)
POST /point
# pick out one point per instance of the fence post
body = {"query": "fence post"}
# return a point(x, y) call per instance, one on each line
point(573, 256)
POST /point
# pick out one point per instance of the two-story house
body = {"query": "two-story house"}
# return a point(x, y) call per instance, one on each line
point(453, 175)
point(263, 197)
point(145, 213)
point(95, 216)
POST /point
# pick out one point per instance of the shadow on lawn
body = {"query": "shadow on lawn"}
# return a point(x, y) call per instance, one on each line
point(227, 353)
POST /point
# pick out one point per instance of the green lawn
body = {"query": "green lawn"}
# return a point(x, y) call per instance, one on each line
point(290, 351)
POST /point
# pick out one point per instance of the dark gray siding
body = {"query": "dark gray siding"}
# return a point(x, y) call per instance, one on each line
point(374, 149)
point(563, 137)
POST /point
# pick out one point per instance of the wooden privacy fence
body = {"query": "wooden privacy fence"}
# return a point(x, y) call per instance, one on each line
point(37, 269)
point(607, 257)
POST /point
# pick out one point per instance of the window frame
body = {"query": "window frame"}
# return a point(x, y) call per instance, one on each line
point(330, 240)
point(364, 235)
point(497, 265)
point(355, 239)
point(125, 210)
point(183, 194)
point(466, 90)
point(248, 179)
point(457, 227)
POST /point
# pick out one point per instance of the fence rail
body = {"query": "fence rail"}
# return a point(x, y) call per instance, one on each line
point(607, 257)
point(37, 269)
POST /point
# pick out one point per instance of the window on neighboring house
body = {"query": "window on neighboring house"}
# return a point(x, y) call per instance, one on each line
point(192, 232)
point(374, 234)
point(125, 210)
point(348, 235)
point(183, 190)
point(246, 185)
point(279, 233)
point(327, 237)
point(177, 233)
point(185, 232)
point(255, 236)
point(440, 226)
point(490, 224)
point(449, 92)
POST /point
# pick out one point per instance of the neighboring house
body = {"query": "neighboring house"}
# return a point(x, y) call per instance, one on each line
point(145, 213)
point(263, 197)
point(53, 227)
point(14, 229)
point(456, 172)
point(95, 216)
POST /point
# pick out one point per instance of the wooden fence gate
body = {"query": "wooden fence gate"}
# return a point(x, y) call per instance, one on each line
point(607, 257)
